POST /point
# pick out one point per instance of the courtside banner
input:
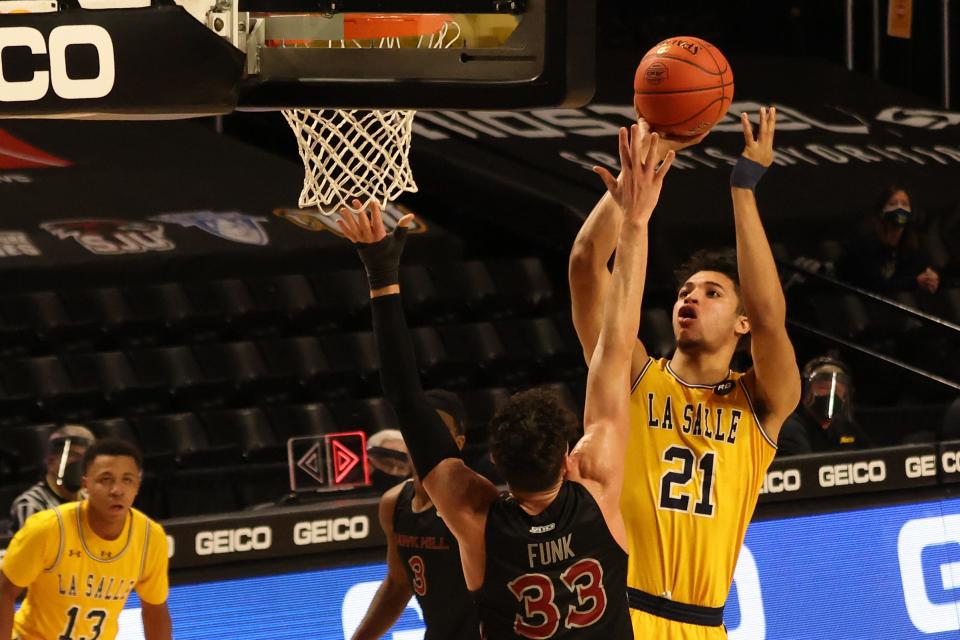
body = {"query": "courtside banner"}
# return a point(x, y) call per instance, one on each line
point(835, 474)
point(333, 526)
point(94, 64)
point(888, 572)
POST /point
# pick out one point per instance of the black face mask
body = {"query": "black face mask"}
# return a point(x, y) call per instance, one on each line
point(898, 217)
point(71, 478)
point(821, 409)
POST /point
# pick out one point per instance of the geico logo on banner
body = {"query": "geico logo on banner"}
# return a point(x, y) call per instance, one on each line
point(753, 622)
point(63, 85)
point(863, 472)
point(234, 540)
point(950, 461)
point(357, 601)
point(921, 466)
point(332, 530)
point(929, 614)
point(781, 481)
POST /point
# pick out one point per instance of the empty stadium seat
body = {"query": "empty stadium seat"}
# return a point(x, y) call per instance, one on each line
point(175, 369)
point(522, 284)
point(289, 296)
point(29, 444)
point(45, 380)
point(179, 438)
point(299, 420)
point(301, 369)
point(247, 430)
point(420, 297)
point(465, 290)
point(113, 428)
point(112, 373)
point(354, 357)
point(343, 298)
point(368, 415)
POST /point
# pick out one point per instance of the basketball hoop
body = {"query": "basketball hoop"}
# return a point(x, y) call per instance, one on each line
point(358, 154)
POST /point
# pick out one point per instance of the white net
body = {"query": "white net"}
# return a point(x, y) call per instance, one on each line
point(358, 154)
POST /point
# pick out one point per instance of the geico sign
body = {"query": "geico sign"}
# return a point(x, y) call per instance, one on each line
point(839, 475)
point(55, 47)
point(234, 540)
point(950, 460)
point(921, 466)
point(333, 530)
point(781, 481)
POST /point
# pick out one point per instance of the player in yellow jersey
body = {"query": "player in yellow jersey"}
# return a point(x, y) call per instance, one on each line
point(80, 561)
point(702, 436)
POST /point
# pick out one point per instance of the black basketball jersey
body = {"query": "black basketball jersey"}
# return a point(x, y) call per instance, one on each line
point(431, 559)
point(558, 574)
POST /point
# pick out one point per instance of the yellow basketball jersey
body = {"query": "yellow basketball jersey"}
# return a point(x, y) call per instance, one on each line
point(77, 583)
point(695, 464)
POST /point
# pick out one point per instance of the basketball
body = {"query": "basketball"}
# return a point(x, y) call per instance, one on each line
point(683, 87)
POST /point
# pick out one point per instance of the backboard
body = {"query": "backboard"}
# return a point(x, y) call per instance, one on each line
point(151, 59)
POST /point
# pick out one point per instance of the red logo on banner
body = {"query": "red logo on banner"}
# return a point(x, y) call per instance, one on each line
point(344, 461)
point(17, 154)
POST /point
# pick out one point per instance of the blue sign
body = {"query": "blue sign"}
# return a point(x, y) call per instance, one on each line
point(889, 572)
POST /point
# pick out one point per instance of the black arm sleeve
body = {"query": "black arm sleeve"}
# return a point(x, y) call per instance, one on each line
point(424, 432)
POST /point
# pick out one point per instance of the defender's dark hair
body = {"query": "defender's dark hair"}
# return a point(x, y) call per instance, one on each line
point(111, 447)
point(723, 261)
point(529, 437)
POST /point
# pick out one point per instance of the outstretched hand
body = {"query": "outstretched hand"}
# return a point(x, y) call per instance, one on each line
point(666, 146)
point(379, 251)
point(637, 189)
point(760, 149)
point(366, 226)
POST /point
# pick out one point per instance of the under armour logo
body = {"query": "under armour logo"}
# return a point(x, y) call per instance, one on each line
point(72, 552)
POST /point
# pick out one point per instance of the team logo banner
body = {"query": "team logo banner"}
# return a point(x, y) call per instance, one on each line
point(111, 237)
point(16, 243)
point(230, 225)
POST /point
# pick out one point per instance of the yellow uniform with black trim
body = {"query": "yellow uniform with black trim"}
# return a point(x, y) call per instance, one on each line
point(696, 461)
point(77, 583)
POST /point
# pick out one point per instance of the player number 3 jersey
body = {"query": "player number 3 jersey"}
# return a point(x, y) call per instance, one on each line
point(77, 582)
point(695, 464)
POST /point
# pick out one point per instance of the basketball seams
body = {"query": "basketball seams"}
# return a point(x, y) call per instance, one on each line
point(723, 86)
point(687, 119)
point(673, 91)
point(661, 56)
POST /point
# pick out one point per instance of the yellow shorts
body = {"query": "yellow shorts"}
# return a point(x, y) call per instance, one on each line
point(647, 626)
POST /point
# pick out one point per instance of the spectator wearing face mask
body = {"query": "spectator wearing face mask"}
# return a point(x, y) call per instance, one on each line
point(886, 256)
point(824, 419)
point(61, 482)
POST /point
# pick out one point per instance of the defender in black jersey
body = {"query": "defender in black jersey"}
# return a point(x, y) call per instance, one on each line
point(423, 558)
point(546, 560)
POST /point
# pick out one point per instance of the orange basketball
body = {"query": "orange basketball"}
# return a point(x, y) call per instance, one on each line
point(683, 87)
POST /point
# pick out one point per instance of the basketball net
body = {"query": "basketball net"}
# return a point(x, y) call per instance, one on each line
point(358, 154)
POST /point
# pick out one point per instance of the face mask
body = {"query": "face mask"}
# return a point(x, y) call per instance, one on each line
point(823, 409)
point(71, 476)
point(898, 217)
